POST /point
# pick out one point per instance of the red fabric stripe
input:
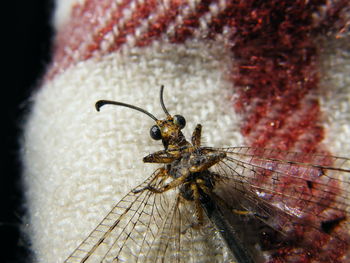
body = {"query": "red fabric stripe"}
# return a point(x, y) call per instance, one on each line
point(276, 66)
point(73, 42)
point(160, 25)
point(99, 36)
point(141, 12)
point(190, 23)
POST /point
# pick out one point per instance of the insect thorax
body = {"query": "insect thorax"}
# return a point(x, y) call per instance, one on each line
point(181, 167)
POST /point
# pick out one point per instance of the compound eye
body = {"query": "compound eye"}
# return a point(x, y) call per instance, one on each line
point(155, 133)
point(179, 121)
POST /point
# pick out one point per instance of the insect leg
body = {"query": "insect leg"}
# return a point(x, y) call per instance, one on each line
point(164, 156)
point(162, 172)
point(198, 207)
point(196, 136)
point(176, 182)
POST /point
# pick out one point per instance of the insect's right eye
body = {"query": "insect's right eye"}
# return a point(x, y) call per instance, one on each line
point(180, 121)
point(155, 133)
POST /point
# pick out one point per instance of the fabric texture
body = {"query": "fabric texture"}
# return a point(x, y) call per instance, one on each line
point(259, 73)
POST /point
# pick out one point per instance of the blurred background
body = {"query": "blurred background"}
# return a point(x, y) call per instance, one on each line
point(28, 33)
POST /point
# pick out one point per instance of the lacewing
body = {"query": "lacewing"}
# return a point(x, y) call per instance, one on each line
point(237, 204)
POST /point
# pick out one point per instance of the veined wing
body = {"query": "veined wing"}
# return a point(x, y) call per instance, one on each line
point(304, 198)
point(180, 241)
point(124, 224)
point(151, 227)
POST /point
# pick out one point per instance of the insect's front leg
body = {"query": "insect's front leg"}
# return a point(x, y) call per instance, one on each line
point(196, 136)
point(161, 173)
point(164, 156)
point(174, 183)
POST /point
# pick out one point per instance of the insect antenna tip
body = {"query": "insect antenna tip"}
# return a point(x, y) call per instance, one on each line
point(99, 104)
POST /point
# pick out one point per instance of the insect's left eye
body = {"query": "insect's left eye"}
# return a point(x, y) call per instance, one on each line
point(179, 121)
point(155, 133)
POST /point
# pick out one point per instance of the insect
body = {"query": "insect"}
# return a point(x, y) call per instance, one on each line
point(237, 204)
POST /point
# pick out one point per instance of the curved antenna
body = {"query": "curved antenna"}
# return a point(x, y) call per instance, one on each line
point(162, 101)
point(101, 103)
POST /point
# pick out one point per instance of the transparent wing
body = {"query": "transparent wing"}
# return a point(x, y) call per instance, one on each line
point(150, 227)
point(181, 242)
point(121, 225)
point(303, 198)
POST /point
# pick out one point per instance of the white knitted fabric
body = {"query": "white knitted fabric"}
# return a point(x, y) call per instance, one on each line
point(80, 162)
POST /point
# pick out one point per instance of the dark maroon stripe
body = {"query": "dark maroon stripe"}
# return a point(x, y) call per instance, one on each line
point(161, 24)
point(141, 12)
point(275, 73)
point(191, 22)
point(276, 64)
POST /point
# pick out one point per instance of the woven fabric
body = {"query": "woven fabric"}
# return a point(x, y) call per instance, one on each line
point(260, 73)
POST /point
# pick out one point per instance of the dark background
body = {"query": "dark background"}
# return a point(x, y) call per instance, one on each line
point(26, 58)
